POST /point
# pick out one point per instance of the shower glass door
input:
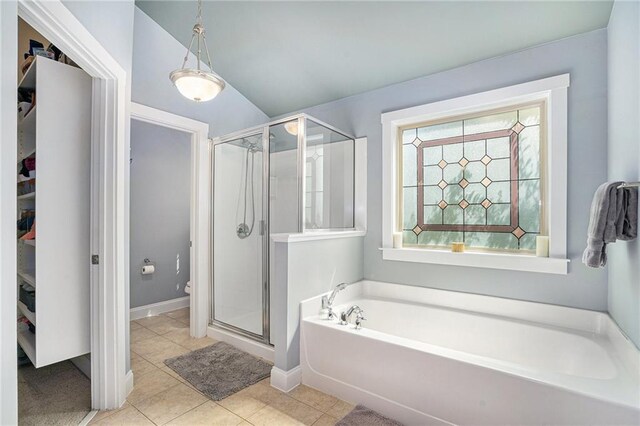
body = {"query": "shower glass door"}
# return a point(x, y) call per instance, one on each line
point(240, 287)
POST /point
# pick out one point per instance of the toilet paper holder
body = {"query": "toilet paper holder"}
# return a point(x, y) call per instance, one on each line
point(148, 267)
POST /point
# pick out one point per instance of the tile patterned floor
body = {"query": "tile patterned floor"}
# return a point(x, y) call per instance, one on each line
point(160, 396)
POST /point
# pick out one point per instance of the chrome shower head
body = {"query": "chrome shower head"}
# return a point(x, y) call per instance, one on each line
point(251, 145)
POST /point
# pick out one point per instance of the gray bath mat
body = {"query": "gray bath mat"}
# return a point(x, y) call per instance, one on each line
point(363, 416)
point(219, 370)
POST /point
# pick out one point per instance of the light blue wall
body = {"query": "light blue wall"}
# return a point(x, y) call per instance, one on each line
point(624, 157)
point(160, 201)
point(585, 58)
point(156, 53)
point(111, 23)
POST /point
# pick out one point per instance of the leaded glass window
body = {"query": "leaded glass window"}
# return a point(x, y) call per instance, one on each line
point(475, 180)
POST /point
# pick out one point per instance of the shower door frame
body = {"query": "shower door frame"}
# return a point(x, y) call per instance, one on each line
point(301, 173)
point(263, 228)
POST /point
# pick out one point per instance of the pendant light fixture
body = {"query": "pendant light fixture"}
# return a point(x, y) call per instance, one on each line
point(196, 84)
point(292, 127)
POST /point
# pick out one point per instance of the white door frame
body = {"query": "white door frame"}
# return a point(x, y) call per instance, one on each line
point(109, 199)
point(199, 227)
point(8, 249)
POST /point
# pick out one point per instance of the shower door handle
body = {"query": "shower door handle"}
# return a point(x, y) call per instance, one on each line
point(263, 227)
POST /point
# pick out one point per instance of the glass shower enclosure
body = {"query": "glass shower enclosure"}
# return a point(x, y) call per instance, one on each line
point(289, 176)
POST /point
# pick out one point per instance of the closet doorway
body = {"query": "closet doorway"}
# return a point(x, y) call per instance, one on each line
point(53, 277)
point(169, 217)
point(107, 202)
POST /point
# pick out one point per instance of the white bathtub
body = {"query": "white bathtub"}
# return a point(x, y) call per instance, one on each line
point(429, 356)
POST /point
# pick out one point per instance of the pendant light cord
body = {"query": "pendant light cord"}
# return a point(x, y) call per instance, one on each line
point(199, 33)
point(199, 17)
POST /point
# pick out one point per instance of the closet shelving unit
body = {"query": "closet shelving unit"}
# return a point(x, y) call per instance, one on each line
point(57, 130)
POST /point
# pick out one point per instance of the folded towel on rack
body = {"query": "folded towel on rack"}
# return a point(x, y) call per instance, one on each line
point(627, 222)
point(614, 215)
point(602, 224)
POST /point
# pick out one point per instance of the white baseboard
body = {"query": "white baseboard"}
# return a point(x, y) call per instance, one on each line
point(129, 382)
point(159, 308)
point(286, 380)
point(243, 343)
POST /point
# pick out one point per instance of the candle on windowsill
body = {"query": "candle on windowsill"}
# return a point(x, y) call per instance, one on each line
point(397, 240)
point(457, 247)
point(542, 246)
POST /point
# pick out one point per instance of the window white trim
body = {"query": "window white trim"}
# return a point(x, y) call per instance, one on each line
point(360, 181)
point(512, 262)
point(553, 91)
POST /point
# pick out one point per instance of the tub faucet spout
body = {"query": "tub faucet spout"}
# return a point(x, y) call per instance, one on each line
point(344, 316)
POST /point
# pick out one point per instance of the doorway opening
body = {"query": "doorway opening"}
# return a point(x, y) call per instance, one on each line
point(107, 199)
point(169, 225)
point(53, 230)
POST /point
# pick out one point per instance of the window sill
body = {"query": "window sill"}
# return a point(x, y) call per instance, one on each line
point(513, 262)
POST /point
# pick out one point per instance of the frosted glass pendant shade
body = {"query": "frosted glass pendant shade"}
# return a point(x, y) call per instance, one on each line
point(196, 85)
point(291, 127)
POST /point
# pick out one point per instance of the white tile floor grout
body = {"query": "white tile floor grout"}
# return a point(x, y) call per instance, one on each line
point(160, 396)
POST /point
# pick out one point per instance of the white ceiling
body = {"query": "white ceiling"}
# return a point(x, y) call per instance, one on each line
point(285, 56)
